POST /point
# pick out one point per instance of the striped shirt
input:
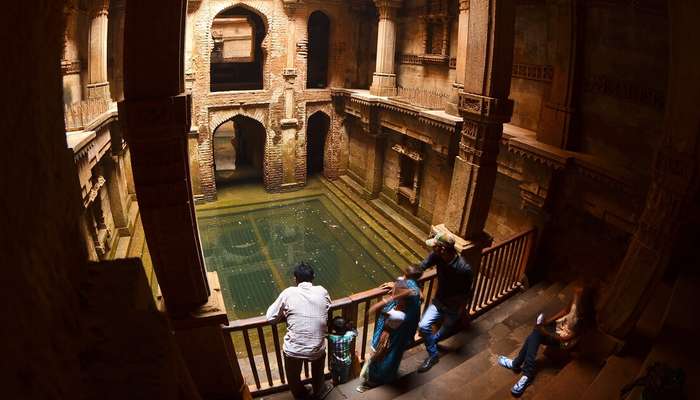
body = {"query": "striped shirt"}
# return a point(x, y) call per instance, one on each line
point(305, 307)
point(339, 347)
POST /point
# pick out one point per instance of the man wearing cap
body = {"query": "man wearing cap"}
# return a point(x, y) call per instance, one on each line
point(454, 278)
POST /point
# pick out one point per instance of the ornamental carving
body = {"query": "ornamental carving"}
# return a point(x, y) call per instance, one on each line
point(495, 109)
point(543, 73)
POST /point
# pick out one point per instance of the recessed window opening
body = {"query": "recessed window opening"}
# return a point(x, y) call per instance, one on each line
point(237, 57)
point(319, 43)
point(408, 173)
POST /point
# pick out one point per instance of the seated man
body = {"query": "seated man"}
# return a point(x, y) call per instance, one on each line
point(559, 330)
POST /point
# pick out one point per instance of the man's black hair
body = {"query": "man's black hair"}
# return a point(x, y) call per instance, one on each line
point(339, 325)
point(303, 272)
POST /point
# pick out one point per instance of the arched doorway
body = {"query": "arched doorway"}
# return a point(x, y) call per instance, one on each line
point(319, 31)
point(316, 133)
point(239, 150)
point(237, 56)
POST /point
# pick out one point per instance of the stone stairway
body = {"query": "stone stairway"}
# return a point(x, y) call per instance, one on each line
point(468, 369)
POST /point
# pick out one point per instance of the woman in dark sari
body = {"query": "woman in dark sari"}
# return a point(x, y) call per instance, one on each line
point(389, 343)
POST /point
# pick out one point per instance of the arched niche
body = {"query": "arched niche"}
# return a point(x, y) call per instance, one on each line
point(319, 32)
point(317, 129)
point(239, 150)
point(237, 57)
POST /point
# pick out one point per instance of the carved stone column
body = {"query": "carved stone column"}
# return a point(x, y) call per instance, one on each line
point(557, 111)
point(674, 187)
point(462, 38)
point(156, 119)
point(98, 85)
point(384, 78)
point(485, 106)
point(70, 63)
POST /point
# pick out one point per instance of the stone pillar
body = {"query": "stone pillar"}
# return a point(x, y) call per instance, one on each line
point(462, 38)
point(485, 106)
point(98, 85)
point(118, 195)
point(674, 187)
point(376, 147)
point(384, 78)
point(557, 111)
point(156, 119)
point(70, 63)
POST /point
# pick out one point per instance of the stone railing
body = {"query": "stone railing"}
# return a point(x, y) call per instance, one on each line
point(79, 115)
point(430, 99)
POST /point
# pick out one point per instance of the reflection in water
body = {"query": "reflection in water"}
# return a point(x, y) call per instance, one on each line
point(255, 251)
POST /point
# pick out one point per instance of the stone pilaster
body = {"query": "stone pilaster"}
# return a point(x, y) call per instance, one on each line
point(70, 63)
point(384, 78)
point(557, 111)
point(485, 106)
point(462, 38)
point(376, 145)
point(98, 85)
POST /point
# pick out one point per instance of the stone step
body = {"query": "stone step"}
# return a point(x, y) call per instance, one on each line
point(570, 383)
point(617, 372)
point(417, 232)
point(548, 302)
point(408, 229)
point(385, 226)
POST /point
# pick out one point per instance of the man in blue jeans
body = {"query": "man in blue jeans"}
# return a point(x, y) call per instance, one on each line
point(454, 278)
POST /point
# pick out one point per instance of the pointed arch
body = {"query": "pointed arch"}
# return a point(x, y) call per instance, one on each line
point(237, 58)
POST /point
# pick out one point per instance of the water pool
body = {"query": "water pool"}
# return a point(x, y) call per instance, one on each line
point(254, 248)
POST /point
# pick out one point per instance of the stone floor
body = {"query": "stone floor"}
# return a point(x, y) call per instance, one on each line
point(468, 369)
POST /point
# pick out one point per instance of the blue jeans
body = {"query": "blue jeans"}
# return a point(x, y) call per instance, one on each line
point(434, 314)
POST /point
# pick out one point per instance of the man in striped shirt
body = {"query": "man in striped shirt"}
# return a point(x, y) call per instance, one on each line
point(305, 307)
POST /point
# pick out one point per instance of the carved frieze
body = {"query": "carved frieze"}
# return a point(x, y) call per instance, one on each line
point(70, 67)
point(404, 150)
point(625, 90)
point(543, 73)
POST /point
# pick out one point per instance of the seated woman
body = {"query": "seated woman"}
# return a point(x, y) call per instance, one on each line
point(562, 329)
point(394, 331)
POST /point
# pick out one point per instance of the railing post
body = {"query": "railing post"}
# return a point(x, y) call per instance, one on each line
point(529, 246)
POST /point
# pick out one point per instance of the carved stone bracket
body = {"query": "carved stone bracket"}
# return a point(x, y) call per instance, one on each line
point(387, 8)
point(482, 107)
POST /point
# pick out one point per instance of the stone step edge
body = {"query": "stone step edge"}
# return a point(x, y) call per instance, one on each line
point(417, 248)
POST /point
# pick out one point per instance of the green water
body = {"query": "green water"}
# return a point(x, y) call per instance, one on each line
point(255, 248)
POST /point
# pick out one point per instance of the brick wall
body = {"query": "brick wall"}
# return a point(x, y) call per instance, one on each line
point(285, 150)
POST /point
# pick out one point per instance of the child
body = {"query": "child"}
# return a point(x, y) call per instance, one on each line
point(339, 346)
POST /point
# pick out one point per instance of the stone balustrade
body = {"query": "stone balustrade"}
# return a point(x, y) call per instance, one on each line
point(79, 115)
